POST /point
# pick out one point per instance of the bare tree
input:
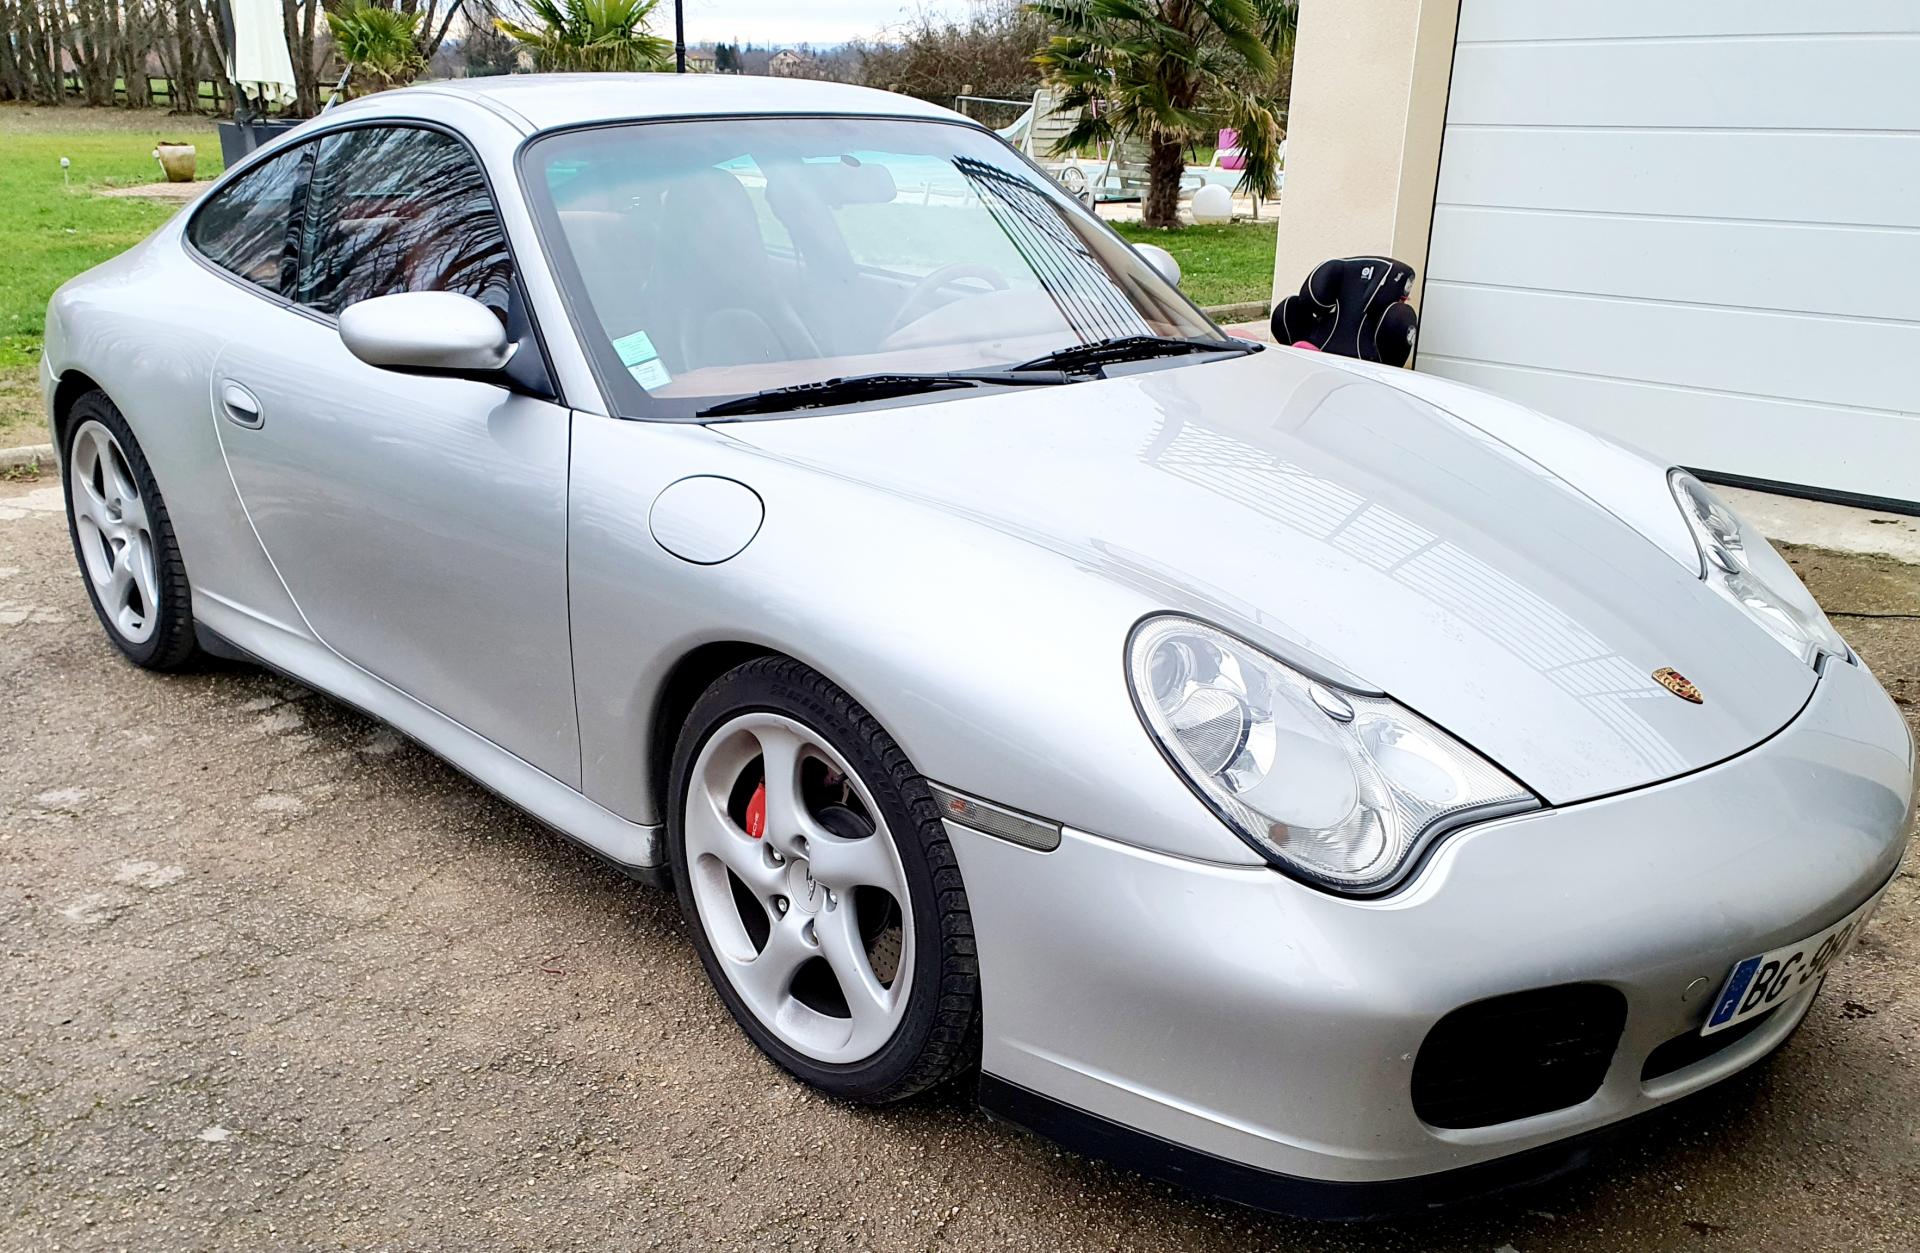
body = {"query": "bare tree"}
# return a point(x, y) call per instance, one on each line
point(86, 41)
point(213, 55)
point(102, 50)
point(183, 74)
point(436, 16)
point(486, 49)
point(304, 27)
point(936, 56)
point(39, 50)
point(14, 82)
point(133, 31)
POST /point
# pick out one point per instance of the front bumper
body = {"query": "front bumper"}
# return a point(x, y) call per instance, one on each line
point(1243, 1018)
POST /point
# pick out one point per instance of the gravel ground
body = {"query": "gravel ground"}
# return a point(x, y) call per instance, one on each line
point(277, 979)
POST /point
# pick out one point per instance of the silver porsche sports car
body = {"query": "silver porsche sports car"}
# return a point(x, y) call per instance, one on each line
point(1321, 784)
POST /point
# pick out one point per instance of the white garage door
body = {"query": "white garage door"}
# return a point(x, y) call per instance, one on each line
point(1692, 225)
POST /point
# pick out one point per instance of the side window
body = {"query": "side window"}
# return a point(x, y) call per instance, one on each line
point(396, 209)
point(244, 227)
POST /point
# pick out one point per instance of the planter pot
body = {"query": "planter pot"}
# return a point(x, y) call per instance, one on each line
point(237, 139)
point(177, 160)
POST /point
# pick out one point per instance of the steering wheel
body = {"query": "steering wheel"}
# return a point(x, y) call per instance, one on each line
point(926, 289)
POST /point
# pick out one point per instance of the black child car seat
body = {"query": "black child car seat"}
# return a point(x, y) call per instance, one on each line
point(1354, 306)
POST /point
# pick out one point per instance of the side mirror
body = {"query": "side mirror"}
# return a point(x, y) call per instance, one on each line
point(1161, 260)
point(428, 332)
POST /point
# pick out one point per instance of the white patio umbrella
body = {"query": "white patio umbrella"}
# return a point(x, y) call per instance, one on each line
point(257, 55)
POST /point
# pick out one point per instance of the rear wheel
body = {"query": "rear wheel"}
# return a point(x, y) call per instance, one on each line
point(822, 894)
point(123, 539)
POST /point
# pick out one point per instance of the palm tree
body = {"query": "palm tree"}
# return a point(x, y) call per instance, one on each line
point(591, 35)
point(1172, 72)
point(378, 43)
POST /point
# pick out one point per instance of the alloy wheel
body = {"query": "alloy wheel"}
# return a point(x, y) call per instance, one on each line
point(114, 532)
point(799, 887)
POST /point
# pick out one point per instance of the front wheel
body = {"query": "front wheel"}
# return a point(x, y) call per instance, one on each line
point(822, 894)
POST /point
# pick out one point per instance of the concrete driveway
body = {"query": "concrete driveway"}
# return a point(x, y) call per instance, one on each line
point(276, 979)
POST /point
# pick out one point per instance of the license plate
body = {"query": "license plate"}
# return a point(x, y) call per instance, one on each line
point(1760, 983)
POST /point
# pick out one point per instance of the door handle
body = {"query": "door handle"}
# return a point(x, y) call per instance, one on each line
point(241, 406)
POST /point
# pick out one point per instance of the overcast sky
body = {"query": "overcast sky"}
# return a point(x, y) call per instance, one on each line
point(791, 21)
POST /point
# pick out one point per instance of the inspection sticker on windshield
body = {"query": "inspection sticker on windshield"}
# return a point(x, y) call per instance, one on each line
point(642, 360)
point(1760, 983)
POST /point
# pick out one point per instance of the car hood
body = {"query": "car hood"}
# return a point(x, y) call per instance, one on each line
point(1321, 512)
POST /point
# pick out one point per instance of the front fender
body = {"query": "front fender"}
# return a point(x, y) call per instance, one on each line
point(995, 662)
point(1625, 481)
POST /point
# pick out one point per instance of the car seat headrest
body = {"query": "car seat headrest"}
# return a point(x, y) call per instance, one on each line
point(1355, 307)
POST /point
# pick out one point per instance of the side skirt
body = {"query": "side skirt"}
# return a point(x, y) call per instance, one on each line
point(226, 630)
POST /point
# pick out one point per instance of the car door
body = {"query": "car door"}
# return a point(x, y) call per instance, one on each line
point(418, 523)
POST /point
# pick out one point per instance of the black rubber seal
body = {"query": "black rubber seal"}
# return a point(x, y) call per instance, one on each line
point(1827, 495)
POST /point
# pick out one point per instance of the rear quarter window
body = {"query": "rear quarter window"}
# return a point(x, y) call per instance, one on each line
point(245, 228)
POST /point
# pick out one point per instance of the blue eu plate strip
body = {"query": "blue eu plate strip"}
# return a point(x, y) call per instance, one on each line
point(1736, 988)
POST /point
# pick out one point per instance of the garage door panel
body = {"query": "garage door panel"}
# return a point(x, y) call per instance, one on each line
point(1871, 180)
point(1695, 226)
point(1642, 19)
point(1870, 452)
point(1846, 271)
point(1815, 359)
point(1744, 83)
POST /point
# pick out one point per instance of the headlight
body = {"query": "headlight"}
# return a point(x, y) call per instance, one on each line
point(1737, 562)
point(1341, 789)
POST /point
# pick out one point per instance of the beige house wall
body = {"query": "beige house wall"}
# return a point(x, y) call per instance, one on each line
point(1363, 137)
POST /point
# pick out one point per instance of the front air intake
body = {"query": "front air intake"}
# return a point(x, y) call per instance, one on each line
point(1517, 1055)
point(1692, 1048)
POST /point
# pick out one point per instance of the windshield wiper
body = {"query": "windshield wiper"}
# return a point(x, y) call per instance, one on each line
point(858, 387)
point(1127, 348)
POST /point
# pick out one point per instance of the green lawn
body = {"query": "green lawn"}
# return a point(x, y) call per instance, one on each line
point(1219, 265)
point(52, 229)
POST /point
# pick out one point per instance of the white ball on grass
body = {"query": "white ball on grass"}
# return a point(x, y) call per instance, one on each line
point(1212, 204)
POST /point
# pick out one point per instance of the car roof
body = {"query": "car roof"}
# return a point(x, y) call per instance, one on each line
point(546, 101)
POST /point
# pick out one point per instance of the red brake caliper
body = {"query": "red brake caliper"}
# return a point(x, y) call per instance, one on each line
point(757, 811)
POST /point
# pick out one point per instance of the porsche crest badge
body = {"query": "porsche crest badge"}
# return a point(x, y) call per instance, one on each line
point(1677, 683)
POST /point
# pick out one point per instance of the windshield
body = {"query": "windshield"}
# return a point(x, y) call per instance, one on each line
point(718, 258)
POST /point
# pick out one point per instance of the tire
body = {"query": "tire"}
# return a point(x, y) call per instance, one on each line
point(123, 539)
point(912, 1032)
